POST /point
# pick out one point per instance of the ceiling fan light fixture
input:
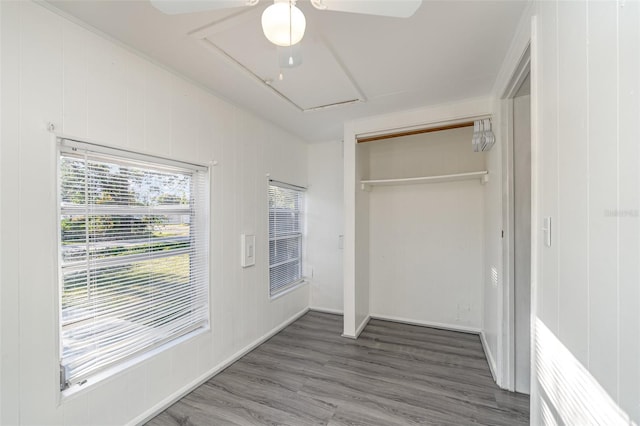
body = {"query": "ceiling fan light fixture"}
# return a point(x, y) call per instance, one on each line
point(283, 23)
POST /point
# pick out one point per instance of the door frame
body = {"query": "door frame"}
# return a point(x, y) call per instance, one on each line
point(507, 364)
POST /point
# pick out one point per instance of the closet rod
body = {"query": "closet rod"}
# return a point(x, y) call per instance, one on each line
point(414, 132)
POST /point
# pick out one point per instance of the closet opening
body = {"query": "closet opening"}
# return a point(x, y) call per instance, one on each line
point(421, 225)
point(415, 197)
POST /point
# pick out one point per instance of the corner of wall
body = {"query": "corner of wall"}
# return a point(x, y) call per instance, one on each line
point(349, 209)
point(489, 355)
point(519, 42)
point(325, 226)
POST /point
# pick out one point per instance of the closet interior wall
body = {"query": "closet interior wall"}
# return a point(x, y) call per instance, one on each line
point(425, 240)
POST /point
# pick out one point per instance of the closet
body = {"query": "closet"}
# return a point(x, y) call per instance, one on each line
point(420, 216)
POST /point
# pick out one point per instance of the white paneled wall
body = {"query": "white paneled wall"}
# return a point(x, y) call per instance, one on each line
point(55, 71)
point(587, 83)
point(571, 230)
point(325, 226)
point(628, 179)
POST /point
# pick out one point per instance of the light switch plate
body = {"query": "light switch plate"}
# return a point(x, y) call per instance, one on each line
point(546, 228)
point(248, 250)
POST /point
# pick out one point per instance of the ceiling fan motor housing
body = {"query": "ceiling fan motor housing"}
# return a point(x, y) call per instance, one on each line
point(283, 23)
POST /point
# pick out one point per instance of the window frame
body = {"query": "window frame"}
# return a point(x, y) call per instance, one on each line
point(284, 289)
point(199, 243)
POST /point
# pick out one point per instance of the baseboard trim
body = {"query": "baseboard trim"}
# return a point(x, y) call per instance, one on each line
point(326, 310)
point(487, 352)
point(165, 403)
point(450, 327)
point(361, 327)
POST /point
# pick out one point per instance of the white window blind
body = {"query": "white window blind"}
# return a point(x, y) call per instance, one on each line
point(286, 221)
point(133, 255)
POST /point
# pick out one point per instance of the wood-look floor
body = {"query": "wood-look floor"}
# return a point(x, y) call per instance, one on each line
point(394, 374)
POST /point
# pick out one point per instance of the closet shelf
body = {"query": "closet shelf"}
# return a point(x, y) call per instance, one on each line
point(483, 176)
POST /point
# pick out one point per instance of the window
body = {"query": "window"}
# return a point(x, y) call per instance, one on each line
point(133, 255)
point(286, 221)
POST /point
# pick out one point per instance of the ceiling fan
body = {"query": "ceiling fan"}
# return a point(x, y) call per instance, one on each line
point(282, 22)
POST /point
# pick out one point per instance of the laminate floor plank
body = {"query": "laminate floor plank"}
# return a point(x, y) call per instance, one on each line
point(418, 332)
point(453, 340)
point(355, 399)
point(398, 354)
point(343, 382)
point(299, 408)
point(394, 374)
point(419, 381)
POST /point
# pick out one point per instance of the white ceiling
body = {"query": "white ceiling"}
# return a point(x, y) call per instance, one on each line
point(448, 51)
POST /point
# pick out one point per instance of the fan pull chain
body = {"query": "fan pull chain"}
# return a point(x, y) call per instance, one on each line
point(290, 33)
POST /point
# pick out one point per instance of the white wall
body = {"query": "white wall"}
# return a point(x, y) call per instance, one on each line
point(362, 255)
point(586, 88)
point(325, 224)
point(54, 71)
point(426, 240)
point(349, 213)
point(356, 237)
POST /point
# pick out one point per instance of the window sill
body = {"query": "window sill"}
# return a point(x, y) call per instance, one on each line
point(289, 288)
point(80, 388)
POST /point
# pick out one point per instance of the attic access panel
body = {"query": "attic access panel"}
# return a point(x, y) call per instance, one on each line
point(319, 82)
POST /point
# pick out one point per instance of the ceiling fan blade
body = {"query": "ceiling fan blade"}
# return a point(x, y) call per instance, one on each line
point(392, 8)
point(176, 7)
